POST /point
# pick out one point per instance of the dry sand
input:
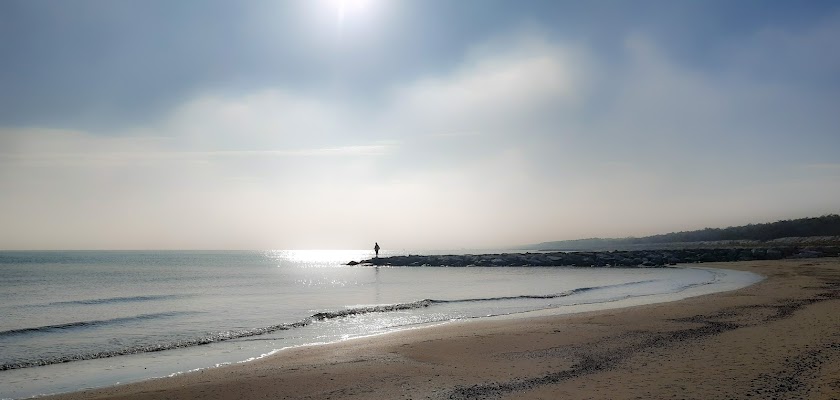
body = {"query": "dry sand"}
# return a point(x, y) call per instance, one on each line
point(776, 339)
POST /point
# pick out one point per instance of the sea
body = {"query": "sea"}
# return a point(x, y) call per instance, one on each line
point(71, 320)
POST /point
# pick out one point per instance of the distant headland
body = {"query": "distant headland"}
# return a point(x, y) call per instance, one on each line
point(814, 231)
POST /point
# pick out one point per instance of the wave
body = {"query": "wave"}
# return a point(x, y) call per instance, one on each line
point(548, 296)
point(197, 341)
point(428, 302)
point(245, 333)
point(717, 277)
point(113, 300)
point(87, 324)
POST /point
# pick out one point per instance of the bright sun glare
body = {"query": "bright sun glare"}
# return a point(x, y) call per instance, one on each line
point(347, 9)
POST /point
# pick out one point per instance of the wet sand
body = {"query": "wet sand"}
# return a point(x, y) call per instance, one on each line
point(779, 339)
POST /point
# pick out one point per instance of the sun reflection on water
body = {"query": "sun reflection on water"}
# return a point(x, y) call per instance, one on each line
point(317, 258)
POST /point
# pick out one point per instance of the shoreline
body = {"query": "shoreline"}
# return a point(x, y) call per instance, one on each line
point(553, 298)
point(778, 337)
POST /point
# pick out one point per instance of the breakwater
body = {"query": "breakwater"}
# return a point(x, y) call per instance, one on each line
point(630, 258)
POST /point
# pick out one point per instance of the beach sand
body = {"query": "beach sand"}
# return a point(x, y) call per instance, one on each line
point(779, 338)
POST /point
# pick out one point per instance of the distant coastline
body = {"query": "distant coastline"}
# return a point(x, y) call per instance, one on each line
point(814, 231)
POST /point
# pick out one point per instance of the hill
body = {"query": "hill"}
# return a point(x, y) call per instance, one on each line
point(824, 230)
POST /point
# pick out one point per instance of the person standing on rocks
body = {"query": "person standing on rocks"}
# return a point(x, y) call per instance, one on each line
point(376, 248)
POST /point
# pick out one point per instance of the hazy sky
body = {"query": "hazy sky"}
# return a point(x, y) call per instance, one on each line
point(418, 124)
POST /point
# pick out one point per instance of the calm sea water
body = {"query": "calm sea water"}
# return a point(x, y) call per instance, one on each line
point(72, 320)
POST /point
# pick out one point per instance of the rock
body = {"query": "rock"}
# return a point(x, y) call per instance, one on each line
point(632, 258)
point(774, 254)
point(808, 254)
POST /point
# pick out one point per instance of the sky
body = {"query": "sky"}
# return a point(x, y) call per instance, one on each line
point(423, 124)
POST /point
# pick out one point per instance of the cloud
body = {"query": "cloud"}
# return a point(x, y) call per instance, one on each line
point(495, 89)
point(525, 140)
point(807, 55)
point(290, 167)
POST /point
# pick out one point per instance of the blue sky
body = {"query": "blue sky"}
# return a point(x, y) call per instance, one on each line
point(418, 124)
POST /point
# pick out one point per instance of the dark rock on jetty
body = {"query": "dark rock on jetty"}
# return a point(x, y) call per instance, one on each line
point(632, 258)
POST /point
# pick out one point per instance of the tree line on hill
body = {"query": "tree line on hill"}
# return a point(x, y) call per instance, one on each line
point(826, 225)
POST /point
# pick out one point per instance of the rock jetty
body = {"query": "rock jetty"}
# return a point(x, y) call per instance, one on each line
point(632, 258)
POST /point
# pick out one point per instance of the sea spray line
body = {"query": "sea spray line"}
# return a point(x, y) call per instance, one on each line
point(230, 335)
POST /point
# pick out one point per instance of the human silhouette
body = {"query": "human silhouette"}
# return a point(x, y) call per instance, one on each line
point(376, 249)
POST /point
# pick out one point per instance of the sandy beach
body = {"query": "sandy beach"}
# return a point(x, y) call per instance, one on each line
point(779, 338)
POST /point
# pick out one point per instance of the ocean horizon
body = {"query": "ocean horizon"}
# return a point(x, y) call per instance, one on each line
point(88, 318)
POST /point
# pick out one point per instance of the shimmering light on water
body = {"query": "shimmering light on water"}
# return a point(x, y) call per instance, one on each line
point(317, 258)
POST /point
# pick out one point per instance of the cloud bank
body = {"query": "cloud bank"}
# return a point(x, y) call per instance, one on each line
point(526, 139)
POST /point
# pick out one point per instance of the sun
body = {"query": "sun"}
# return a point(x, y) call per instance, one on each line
point(347, 9)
